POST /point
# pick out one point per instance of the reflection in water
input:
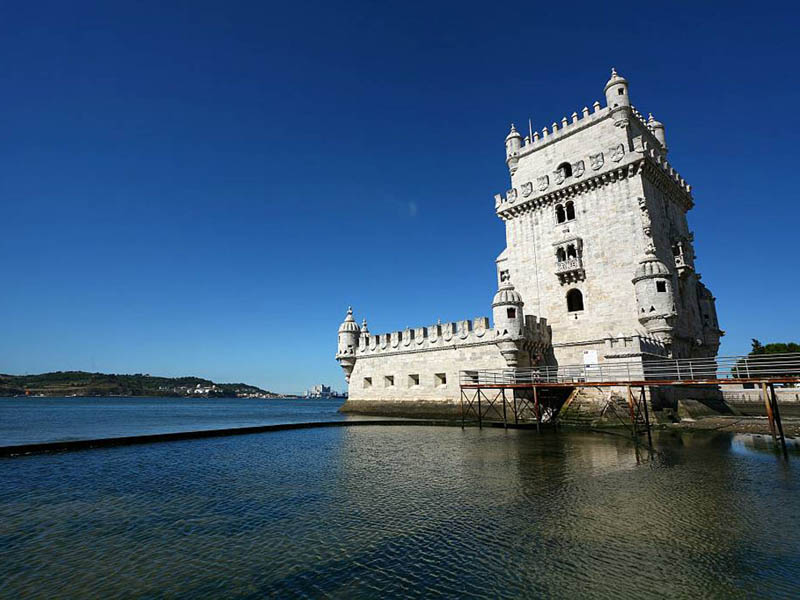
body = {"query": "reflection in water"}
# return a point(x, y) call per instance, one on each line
point(396, 511)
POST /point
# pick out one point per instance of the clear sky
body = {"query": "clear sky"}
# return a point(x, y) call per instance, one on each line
point(201, 188)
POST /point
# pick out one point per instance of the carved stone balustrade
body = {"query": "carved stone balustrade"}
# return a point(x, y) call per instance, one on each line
point(570, 270)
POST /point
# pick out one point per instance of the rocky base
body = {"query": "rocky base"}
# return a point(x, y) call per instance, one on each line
point(593, 408)
point(414, 409)
point(599, 408)
point(736, 424)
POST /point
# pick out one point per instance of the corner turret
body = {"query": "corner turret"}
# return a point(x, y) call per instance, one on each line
point(507, 310)
point(658, 131)
point(509, 322)
point(349, 333)
point(617, 99)
point(513, 146)
point(654, 297)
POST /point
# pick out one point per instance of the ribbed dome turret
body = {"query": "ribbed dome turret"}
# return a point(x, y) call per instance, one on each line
point(650, 266)
point(652, 123)
point(349, 324)
point(658, 131)
point(615, 79)
point(506, 294)
point(513, 133)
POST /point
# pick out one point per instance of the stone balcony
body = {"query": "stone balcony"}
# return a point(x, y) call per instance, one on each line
point(570, 270)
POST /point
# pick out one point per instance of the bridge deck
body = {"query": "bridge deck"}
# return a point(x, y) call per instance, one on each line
point(482, 390)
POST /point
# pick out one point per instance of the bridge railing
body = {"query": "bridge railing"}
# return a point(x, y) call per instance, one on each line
point(766, 367)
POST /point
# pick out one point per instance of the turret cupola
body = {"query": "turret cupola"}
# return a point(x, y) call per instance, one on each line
point(617, 99)
point(658, 131)
point(513, 146)
point(509, 322)
point(349, 332)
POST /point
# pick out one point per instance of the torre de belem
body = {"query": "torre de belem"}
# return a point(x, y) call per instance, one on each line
point(598, 266)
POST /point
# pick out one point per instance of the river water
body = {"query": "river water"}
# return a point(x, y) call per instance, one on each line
point(385, 512)
point(33, 420)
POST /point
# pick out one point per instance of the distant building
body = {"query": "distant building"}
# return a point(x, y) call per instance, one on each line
point(322, 391)
point(318, 391)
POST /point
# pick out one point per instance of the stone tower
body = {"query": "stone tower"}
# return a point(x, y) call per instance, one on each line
point(597, 238)
point(600, 254)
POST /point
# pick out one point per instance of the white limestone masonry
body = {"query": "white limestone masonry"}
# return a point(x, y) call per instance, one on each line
point(601, 258)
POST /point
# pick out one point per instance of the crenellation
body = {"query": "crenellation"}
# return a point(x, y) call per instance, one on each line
point(553, 132)
point(466, 331)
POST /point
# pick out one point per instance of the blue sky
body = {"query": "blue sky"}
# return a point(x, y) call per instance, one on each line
point(202, 188)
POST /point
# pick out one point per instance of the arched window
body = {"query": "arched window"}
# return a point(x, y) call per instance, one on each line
point(574, 300)
point(570, 210)
point(571, 251)
point(566, 168)
point(560, 214)
point(561, 255)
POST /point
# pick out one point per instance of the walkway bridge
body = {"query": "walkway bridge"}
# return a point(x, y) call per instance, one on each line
point(538, 393)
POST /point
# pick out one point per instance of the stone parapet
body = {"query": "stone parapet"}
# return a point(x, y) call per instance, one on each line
point(562, 129)
point(467, 332)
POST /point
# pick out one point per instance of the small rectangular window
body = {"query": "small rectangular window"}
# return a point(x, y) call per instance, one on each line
point(440, 379)
point(661, 286)
point(367, 382)
point(388, 381)
point(413, 380)
point(512, 313)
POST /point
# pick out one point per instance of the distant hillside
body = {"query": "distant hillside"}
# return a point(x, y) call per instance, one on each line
point(80, 383)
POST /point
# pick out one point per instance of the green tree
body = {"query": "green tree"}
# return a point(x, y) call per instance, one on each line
point(764, 366)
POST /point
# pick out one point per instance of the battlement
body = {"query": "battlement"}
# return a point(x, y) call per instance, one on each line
point(632, 346)
point(466, 332)
point(440, 335)
point(560, 129)
point(661, 161)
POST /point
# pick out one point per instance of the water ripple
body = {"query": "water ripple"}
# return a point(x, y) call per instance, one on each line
point(400, 512)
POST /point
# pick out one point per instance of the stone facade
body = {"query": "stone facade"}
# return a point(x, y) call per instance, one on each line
point(598, 248)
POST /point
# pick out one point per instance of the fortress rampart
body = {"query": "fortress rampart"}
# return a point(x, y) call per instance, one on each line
point(439, 336)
